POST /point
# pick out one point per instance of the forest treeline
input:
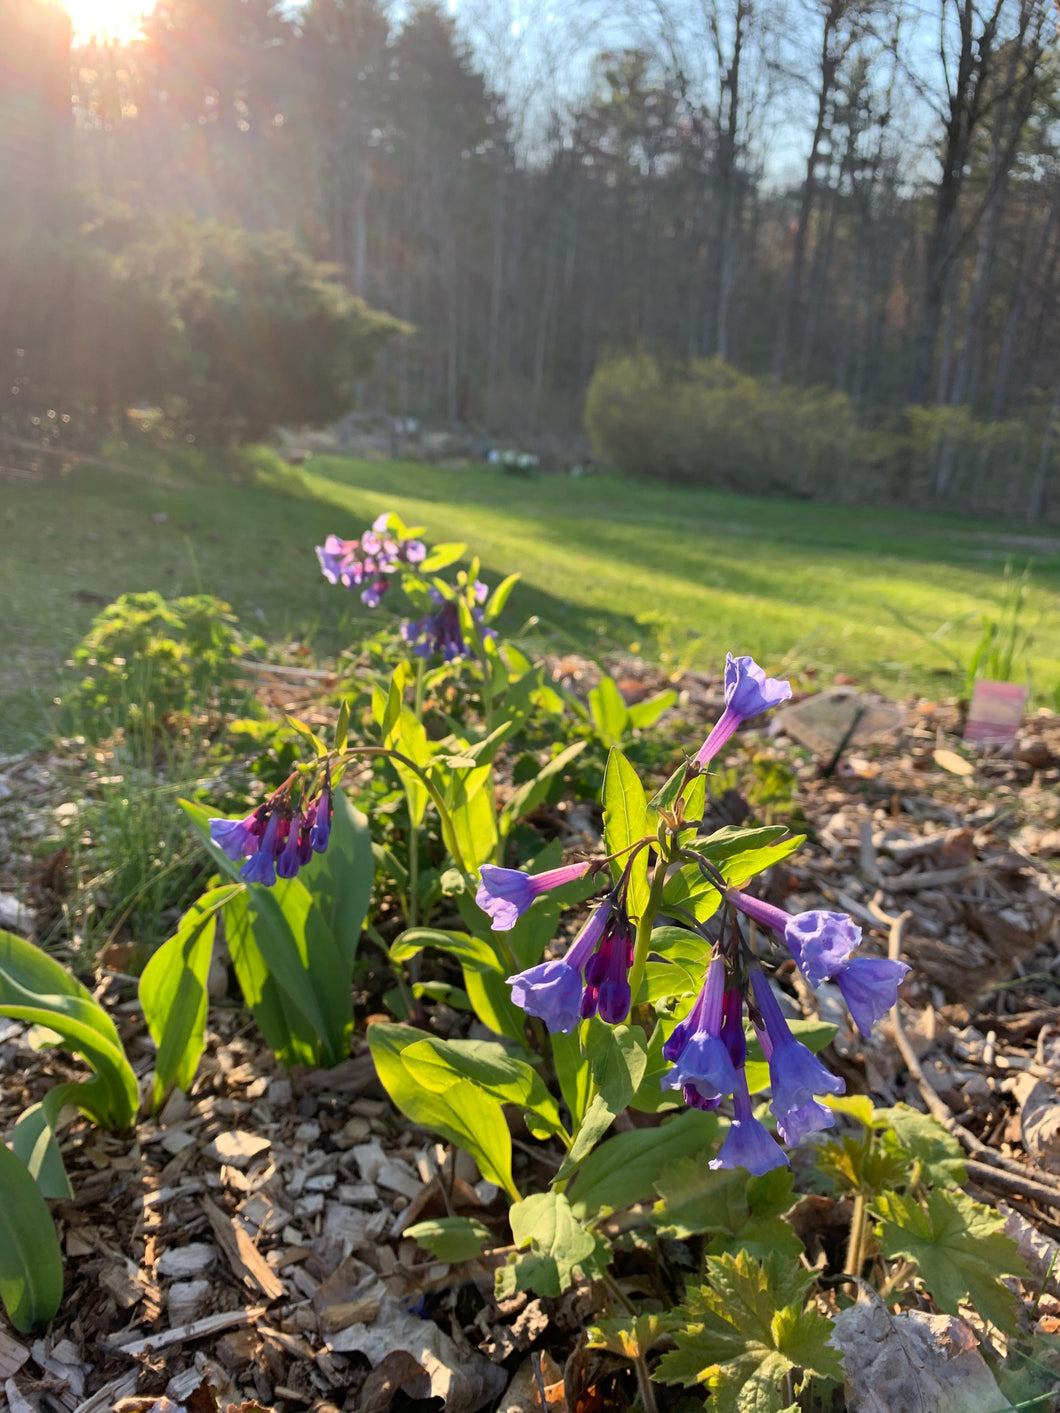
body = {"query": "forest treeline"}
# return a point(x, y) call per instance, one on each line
point(857, 198)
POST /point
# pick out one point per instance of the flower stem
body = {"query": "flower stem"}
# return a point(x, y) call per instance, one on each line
point(644, 927)
point(856, 1245)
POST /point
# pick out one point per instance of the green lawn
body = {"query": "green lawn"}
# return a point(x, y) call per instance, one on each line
point(806, 585)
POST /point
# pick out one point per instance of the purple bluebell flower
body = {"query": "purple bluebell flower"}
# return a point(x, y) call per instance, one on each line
point(553, 990)
point(795, 1073)
point(748, 691)
point(819, 941)
point(334, 555)
point(870, 988)
point(320, 830)
point(289, 860)
point(237, 838)
point(504, 894)
point(261, 868)
point(413, 551)
point(373, 594)
point(748, 1144)
point(695, 1048)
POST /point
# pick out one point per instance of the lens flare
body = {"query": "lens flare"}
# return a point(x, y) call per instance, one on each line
point(111, 19)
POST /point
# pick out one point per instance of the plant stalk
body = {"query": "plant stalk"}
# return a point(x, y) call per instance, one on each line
point(644, 927)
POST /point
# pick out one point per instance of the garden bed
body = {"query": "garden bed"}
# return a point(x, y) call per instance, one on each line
point(247, 1244)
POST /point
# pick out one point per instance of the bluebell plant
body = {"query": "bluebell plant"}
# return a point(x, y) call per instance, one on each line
point(281, 835)
point(601, 972)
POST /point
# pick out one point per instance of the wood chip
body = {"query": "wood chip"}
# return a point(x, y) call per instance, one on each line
point(181, 1334)
point(238, 1147)
point(12, 1355)
point(180, 1262)
point(242, 1255)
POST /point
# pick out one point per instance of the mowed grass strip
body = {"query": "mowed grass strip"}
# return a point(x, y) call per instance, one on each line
point(602, 559)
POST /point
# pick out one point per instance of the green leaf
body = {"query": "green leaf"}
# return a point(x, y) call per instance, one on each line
point(173, 993)
point(34, 1138)
point(342, 725)
point(739, 854)
point(939, 1154)
point(35, 989)
point(530, 794)
point(625, 822)
point(740, 1211)
point(308, 735)
point(499, 597)
point(746, 1331)
point(472, 952)
point(463, 1113)
point(31, 1264)
point(340, 879)
point(960, 1250)
point(573, 1072)
point(288, 1034)
point(438, 1064)
point(623, 1170)
point(618, 1058)
point(559, 1245)
point(687, 887)
point(646, 713)
point(630, 1337)
point(451, 1239)
point(609, 713)
point(441, 557)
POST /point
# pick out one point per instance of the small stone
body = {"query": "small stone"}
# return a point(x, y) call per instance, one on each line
point(307, 1133)
point(279, 1092)
point(186, 1301)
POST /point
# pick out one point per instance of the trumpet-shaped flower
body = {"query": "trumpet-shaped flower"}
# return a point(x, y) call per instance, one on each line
point(607, 991)
point(238, 838)
point(504, 894)
point(748, 692)
point(320, 823)
point(795, 1073)
point(696, 1049)
point(748, 1144)
point(870, 988)
point(261, 868)
point(553, 990)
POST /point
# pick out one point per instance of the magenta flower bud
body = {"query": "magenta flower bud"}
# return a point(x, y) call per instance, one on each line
point(748, 692)
point(504, 894)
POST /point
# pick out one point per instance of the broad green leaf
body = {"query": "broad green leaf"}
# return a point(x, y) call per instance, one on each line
point(452, 1239)
point(623, 1170)
point(464, 1113)
point(35, 989)
point(688, 888)
point(573, 1072)
point(625, 822)
point(173, 994)
point(960, 1249)
point(340, 879)
point(609, 712)
point(438, 1064)
point(442, 556)
point(34, 1138)
point(939, 1154)
point(471, 810)
point(288, 1033)
point(472, 952)
point(31, 1264)
point(618, 1058)
point(559, 1245)
point(739, 854)
point(630, 1336)
point(646, 713)
point(746, 1330)
point(740, 1212)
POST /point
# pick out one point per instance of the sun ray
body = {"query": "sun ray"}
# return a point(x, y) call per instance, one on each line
point(114, 19)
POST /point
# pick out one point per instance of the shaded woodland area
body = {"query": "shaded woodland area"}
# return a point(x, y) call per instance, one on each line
point(843, 194)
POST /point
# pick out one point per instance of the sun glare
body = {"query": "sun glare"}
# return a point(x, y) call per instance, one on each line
point(115, 19)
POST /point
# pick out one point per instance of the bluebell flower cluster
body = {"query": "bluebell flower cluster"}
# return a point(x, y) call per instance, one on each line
point(438, 633)
point(367, 563)
point(278, 838)
point(707, 1050)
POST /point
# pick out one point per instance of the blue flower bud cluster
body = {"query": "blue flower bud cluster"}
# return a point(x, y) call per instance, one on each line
point(278, 838)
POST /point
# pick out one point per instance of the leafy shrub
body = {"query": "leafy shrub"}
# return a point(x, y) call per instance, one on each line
point(147, 659)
